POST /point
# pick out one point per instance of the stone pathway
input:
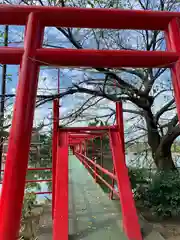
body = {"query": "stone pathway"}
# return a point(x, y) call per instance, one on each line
point(91, 214)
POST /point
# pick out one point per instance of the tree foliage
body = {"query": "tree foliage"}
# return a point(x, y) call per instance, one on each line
point(161, 196)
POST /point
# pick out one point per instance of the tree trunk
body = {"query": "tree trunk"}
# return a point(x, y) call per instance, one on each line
point(161, 150)
point(164, 160)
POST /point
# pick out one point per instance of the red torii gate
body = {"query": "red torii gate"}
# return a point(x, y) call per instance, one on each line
point(73, 136)
point(31, 57)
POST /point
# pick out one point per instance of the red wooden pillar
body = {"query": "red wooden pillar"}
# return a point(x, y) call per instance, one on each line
point(80, 151)
point(111, 195)
point(129, 214)
point(80, 147)
point(54, 148)
point(60, 227)
point(101, 151)
point(173, 44)
point(20, 134)
point(94, 159)
point(120, 124)
point(85, 148)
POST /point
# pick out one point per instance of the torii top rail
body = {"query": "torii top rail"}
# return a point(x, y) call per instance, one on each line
point(31, 57)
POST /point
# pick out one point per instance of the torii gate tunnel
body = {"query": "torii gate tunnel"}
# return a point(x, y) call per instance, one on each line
point(30, 58)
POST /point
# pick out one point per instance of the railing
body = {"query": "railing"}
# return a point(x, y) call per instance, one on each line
point(87, 161)
point(36, 180)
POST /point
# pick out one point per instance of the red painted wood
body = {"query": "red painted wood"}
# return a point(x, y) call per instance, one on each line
point(20, 135)
point(173, 44)
point(9, 55)
point(106, 58)
point(129, 214)
point(104, 170)
point(81, 158)
point(36, 169)
point(60, 227)
point(93, 58)
point(88, 17)
point(54, 148)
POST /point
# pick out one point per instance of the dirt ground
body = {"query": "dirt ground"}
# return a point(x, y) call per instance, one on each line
point(45, 229)
point(170, 231)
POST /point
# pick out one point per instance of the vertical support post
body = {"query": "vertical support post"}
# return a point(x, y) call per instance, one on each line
point(94, 158)
point(80, 151)
point(129, 214)
point(54, 148)
point(58, 81)
point(101, 150)
point(20, 134)
point(85, 153)
point(111, 195)
point(119, 123)
point(80, 148)
point(173, 44)
point(60, 229)
point(77, 147)
point(73, 149)
point(85, 148)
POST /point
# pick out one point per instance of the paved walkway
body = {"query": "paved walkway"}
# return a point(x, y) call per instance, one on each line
point(91, 214)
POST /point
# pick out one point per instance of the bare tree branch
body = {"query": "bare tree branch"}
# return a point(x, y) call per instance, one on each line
point(163, 110)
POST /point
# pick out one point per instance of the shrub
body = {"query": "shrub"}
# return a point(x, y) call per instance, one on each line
point(28, 203)
point(162, 194)
point(138, 177)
